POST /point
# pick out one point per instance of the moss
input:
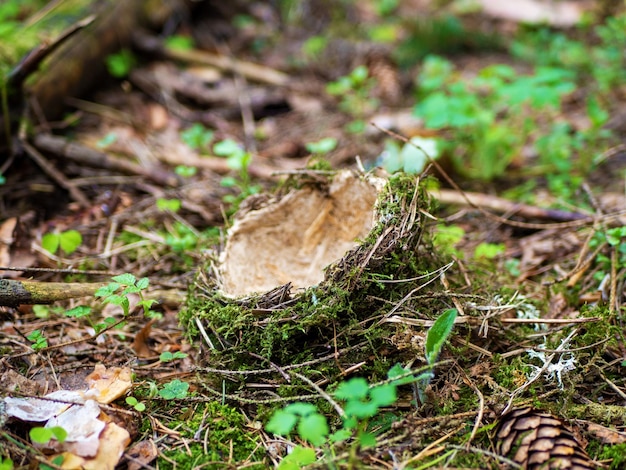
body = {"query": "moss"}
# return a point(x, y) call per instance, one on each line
point(614, 452)
point(215, 434)
point(344, 306)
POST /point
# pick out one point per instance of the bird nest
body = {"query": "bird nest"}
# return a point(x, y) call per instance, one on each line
point(314, 268)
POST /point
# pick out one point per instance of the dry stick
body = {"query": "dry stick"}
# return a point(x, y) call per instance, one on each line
point(14, 293)
point(55, 174)
point(82, 154)
point(499, 204)
point(513, 223)
point(613, 307)
point(324, 395)
point(481, 406)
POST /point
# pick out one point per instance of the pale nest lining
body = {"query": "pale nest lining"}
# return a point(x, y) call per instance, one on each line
point(292, 239)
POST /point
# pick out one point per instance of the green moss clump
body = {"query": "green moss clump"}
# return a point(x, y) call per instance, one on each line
point(346, 308)
point(223, 436)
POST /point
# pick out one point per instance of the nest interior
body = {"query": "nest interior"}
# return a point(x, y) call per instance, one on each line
point(292, 239)
point(346, 310)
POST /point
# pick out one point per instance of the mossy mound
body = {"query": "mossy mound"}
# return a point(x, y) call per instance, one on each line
point(349, 309)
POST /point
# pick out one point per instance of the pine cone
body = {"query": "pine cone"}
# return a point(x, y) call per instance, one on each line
point(539, 441)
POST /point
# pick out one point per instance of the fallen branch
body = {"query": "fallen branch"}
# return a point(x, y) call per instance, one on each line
point(504, 206)
point(14, 293)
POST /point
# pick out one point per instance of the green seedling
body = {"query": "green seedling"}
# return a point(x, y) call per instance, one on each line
point(168, 205)
point(168, 356)
point(488, 250)
point(6, 464)
point(185, 171)
point(323, 146)
point(120, 64)
point(42, 435)
point(136, 404)
point(38, 340)
point(355, 96)
point(197, 137)
point(446, 237)
point(411, 157)
point(68, 241)
point(107, 140)
point(490, 116)
point(181, 43)
point(176, 389)
point(239, 161)
point(614, 238)
point(361, 402)
point(117, 293)
point(435, 339)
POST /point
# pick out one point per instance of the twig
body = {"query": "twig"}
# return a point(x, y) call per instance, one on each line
point(324, 395)
point(481, 405)
point(499, 204)
point(251, 71)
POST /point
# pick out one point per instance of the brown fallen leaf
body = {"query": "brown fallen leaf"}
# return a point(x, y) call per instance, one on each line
point(141, 454)
point(140, 343)
point(604, 434)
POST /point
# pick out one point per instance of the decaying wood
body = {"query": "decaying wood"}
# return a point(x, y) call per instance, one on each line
point(77, 65)
point(14, 293)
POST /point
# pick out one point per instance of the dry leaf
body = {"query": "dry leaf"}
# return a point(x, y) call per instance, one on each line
point(107, 385)
point(141, 453)
point(140, 343)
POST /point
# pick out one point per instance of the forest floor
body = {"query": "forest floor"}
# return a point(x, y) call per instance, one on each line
point(476, 324)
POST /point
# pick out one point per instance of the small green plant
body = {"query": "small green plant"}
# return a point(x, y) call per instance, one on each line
point(185, 171)
point(176, 389)
point(181, 43)
point(446, 237)
point(117, 293)
point(168, 356)
point(83, 311)
point(488, 250)
point(355, 93)
point(616, 238)
point(411, 157)
point(197, 137)
point(492, 115)
point(168, 205)
point(107, 140)
point(6, 464)
point(38, 340)
point(136, 404)
point(42, 435)
point(323, 146)
point(68, 241)
point(361, 402)
point(121, 63)
point(239, 161)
